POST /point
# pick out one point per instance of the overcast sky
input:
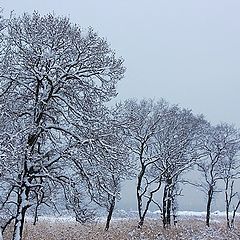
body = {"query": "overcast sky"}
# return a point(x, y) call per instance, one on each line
point(186, 51)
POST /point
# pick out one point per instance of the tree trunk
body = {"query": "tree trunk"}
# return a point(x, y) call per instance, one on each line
point(142, 218)
point(167, 203)
point(228, 198)
point(110, 212)
point(150, 198)
point(234, 214)
point(164, 206)
point(169, 206)
point(174, 211)
point(22, 207)
point(227, 211)
point(139, 195)
point(209, 202)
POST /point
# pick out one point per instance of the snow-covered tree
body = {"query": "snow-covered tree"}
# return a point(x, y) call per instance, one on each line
point(219, 145)
point(229, 167)
point(105, 163)
point(164, 142)
point(54, 80)
point(177, 149)
point(3, 213)
point(141, 121)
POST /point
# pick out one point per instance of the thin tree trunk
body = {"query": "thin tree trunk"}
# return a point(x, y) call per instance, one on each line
point(227, 210)
point(110, 212)
point(150, 198)
point(227, 200)
point(164, 206)
point(209, 202)
point(139, 195)
point(142, 218)
point(174, 213)
point(234, 214)
point(169, 205)
point(21, 212)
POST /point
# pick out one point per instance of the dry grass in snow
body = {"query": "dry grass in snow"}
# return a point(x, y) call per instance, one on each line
point(49, 229)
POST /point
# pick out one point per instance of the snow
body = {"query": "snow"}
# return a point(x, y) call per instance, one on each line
point(191, 225)
point(120, 215)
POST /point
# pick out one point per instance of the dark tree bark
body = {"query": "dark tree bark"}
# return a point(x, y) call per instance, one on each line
point(227, 201)
point(169, 206)
point(110, 212)
point(164, 207)
point(167, 203)
point(234, 214)
point(209, 203)
point(139, 195)
point(150, 199)
point(22, 206)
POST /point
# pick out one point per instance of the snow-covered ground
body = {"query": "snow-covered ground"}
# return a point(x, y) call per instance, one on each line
point(190, 226)
point(121, 214)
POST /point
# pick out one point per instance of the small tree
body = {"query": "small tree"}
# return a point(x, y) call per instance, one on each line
point(230, 172)
point(141, 120)
point(106, 163)
point(177, 148)
point(216, 145)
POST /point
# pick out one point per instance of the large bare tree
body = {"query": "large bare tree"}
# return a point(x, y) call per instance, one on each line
point(54, 81)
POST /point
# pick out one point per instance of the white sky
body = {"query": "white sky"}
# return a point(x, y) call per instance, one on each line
point(186, 51)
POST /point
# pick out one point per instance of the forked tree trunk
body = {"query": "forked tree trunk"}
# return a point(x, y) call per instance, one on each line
point(142, 217)
point(22, 206)
point(150, 199)
point(228, 199)
point(110, 212)
point(167, 203)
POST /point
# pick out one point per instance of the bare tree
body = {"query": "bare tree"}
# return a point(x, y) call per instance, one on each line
point(5, 214)
point(216, 145)
point(164, 141)
point(230, 172)
point(141, 121)
point(177, 148)
point(107, 163)
point(54, 81)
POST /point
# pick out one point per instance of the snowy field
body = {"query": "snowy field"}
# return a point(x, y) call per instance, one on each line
point(191, 225)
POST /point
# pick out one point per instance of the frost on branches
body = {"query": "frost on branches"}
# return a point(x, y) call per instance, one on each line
point(163, 140)
point(54, 81)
